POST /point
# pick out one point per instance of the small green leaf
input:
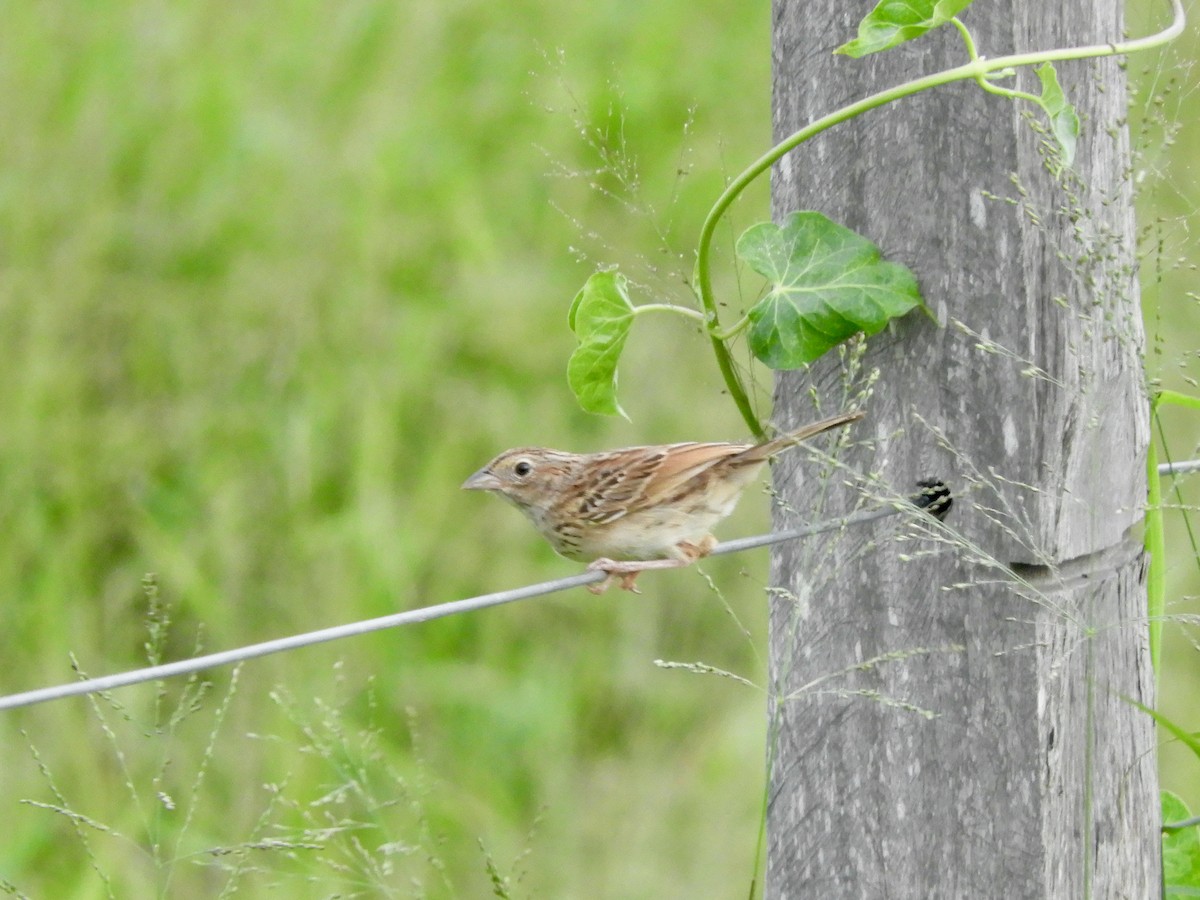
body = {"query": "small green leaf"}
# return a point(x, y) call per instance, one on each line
point(892, 22)
point(1191, 740)
point(600, 316)
point(1064, 121)
point(1174, 398)
point(827, 284)
point(1181, 850)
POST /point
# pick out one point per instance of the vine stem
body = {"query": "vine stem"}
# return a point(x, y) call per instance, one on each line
point(977, 69)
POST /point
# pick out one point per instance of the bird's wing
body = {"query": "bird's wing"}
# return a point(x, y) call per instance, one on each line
point(628, 481)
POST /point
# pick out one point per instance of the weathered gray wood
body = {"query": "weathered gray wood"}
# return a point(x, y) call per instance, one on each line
point(1019, 630)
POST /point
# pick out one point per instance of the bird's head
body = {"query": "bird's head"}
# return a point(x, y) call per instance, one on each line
point(530, 477)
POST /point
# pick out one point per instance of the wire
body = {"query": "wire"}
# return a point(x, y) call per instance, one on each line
point(935, 498)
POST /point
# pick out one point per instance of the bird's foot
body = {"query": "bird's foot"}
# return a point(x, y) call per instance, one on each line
point(625, 572)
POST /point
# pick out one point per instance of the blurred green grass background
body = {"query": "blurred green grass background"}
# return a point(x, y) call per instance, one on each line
point(273, 280)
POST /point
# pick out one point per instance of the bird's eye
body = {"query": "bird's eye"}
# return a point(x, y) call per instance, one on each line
point(523, 468)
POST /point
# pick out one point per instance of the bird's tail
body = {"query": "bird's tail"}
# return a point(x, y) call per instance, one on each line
point(775, 445)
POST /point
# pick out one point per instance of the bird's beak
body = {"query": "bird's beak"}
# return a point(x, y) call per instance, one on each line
point(483, 480)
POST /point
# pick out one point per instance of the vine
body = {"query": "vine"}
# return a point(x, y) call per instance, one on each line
point(825, 283)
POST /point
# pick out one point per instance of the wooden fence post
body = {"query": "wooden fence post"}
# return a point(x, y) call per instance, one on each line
point(946, 706)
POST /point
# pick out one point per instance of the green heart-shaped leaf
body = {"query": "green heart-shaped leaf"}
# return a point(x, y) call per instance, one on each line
point(826, 284)
point(893, 22)
point(1181, 850)
point(600, 316)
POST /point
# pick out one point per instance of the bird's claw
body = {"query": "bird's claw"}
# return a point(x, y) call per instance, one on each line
point(624, 575)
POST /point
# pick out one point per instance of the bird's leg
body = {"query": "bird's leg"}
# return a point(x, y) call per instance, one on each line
point(627, 571)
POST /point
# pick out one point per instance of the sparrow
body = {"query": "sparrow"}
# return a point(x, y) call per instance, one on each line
point(638, 508)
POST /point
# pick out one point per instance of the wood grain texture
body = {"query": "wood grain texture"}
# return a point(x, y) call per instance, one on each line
point(986, 752)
